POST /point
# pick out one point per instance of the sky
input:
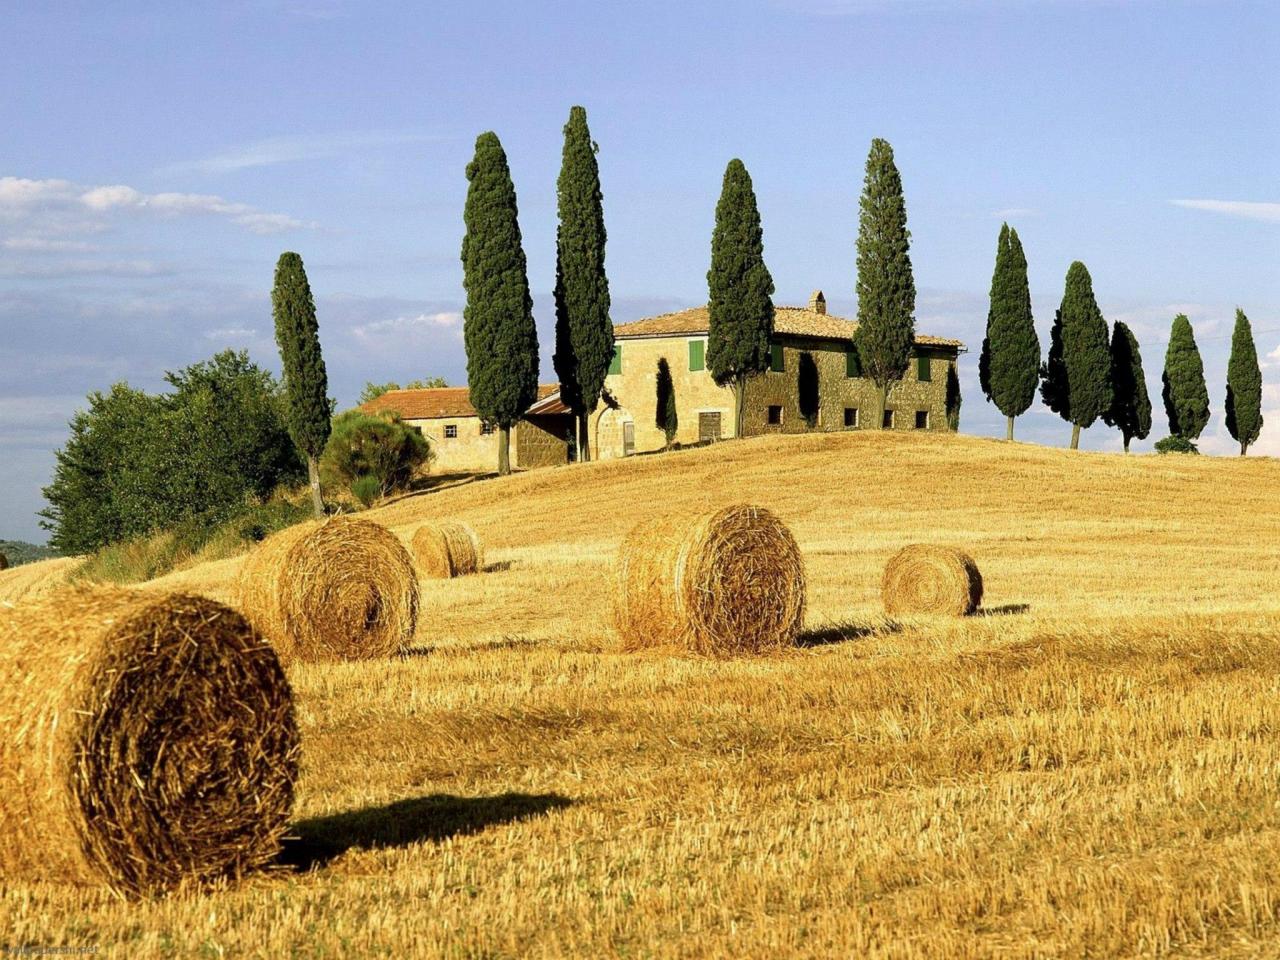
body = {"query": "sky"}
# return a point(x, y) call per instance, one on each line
point(155, 160)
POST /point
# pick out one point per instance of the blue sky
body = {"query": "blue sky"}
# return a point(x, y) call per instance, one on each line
point(155, 159)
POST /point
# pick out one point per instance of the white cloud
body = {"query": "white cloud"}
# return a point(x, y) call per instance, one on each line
point(59, 207)
point(1015, 213)
point(46, 245)
point(275, 150)
point(408, 324)
point(1244, 209)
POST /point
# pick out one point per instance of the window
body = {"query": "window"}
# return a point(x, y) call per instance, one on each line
point(774, 415)
point(922, 419)
point(850, 417)
point(923, 373)
point(888, 420)
point(776, 362)
point(697, 355)
point(486, 426)
point(451, 431)
point(852, 362)
point(615, 365)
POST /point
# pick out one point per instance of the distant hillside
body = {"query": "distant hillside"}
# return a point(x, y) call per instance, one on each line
point(19, 552)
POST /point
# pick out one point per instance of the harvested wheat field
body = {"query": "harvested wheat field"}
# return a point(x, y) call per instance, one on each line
point(1089, 767)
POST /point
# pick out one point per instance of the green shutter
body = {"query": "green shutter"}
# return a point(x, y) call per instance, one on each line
point(852, 362)
point(697, 355)
point(615, 365)
point(923, 374)
point(776, 363)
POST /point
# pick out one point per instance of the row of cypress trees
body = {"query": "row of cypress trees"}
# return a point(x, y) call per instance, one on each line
point(1093, 373)
point(498, 327)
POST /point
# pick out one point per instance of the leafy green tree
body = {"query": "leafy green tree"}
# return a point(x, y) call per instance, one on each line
point(1076, 378)
point(808, 389)
point(584, 332)
point(1244, 386)
point(665, 417)
point(741, 290)
point(1186, 397)
point(305, 380)
point(376, 452)
point(1130, 410)
point(372, 391)
point(95, 497)
point(1010, 363)
point(1176, 444)
point(498, 329)
point(196, 456)
point(886, 287)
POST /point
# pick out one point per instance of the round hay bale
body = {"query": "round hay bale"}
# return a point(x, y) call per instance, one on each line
point(146, 741)
point(929, 579)
point(337, 589)
point(444, 550)
point(720, 583)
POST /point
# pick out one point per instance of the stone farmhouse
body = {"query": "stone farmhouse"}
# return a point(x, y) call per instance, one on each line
point(814, 383)
point(810, 347)
point(463, 443)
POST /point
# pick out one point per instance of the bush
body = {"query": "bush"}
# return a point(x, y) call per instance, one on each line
point(373, 449)
point(1175, 444)
point(138, 463)
point(366, 489)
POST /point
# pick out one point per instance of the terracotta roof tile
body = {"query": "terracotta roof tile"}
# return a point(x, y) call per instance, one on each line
point(435, 403)
point(792, 321)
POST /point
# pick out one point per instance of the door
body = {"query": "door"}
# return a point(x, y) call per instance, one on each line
point(708, 426)
point(628, 438)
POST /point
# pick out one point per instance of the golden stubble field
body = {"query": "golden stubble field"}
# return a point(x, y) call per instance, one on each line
point(1090, 769)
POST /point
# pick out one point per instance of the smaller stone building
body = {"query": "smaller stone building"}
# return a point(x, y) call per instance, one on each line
point(463, 443)
point(814, 383)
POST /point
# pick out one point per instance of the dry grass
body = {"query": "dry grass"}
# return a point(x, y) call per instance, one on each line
point(1090, 769)
point(31, 580)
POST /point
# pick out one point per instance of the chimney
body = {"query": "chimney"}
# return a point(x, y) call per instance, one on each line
point(817, 302)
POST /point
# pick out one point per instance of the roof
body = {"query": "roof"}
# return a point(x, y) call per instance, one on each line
point(790, 321)
point(436, 402)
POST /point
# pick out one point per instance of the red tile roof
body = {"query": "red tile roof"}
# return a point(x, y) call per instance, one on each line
point(435, 403)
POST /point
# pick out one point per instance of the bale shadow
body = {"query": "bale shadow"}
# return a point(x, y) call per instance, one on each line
point(1008, 610)
point(841, 632)
point(499, 566)
point(514, 642)
point(315, 842)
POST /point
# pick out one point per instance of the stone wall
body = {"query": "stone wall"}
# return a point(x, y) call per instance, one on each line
point(471, 451)
point(543, 441)
point(635, 389)
point(837, 392)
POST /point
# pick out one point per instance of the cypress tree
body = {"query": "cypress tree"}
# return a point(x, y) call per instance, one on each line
point(584, 333)
point(741, 290)
point(498, 329)
point(665, 416)
point(1009, 367)
point(1076, 378)
point(954, 398)
point(1186, 398)
point(305, 381)
point(1244, 386)
point(886, 288)
point(1130, 409)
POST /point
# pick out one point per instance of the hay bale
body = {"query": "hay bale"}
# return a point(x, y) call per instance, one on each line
point(338, 589)
point(720, 583)
point(146, 741)
point(444, 550)
point(929, 579)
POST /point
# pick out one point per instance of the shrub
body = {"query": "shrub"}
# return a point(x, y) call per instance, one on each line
point(366, 489)
point(380, 446)
point(1175, 444)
